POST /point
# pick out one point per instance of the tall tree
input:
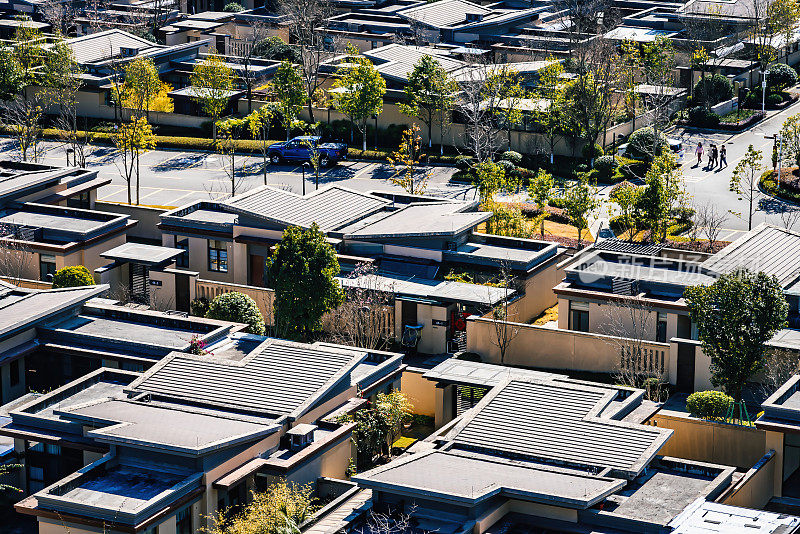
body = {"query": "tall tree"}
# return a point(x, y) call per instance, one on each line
point(259, 122)
point(408, 172)
point(790, 134)
point(736, 316)
point(581, 203)
point(663, 191)
point(229, 132)
point(290, 97)
point(430, 95)
point(745, 178)
point(551, 118)
point(143, 90)
point(540, 191)
point(302, 271)
point(360, 92)
point(504, 89)
point(213, 82)
point(132, 139)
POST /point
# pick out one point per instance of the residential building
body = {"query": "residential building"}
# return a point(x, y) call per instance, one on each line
point(417, 244)
point(194, 435)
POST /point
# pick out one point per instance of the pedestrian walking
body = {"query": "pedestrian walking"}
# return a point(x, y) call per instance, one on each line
point(714, 156)
point(699, 152)
point(723, 156)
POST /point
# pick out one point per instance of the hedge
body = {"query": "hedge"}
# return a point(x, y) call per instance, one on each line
point(708, 404)
point(237, 308)
point(75, 276)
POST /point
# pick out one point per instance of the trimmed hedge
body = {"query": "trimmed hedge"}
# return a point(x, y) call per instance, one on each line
point(237, 308)
point(75, 276)
point(780, 76)
point(708, 404)
point(606, 166)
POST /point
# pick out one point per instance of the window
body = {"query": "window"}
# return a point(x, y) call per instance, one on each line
point(80, 201)
point(14, 371)
point(661, 328)
point(47, 267)
point(183, 259)
point(183, 521)
point(217, 256)
point(579, 316)
point(152, 530)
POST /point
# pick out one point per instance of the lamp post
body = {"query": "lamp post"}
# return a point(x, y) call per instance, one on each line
point(764, 92)
point(779, 138)
point(305, 164)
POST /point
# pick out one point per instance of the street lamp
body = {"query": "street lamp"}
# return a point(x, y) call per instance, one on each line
point(305, 164)
point(764, 92)
point(779, 138)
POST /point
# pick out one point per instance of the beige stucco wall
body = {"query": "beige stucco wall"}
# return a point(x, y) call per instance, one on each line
point(538, 290)
point(420, 391)
point(758, 488)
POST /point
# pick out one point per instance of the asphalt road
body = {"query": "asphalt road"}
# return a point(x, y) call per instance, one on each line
point(173, 178)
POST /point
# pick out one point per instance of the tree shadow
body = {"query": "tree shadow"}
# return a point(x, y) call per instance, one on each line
point(179, 163)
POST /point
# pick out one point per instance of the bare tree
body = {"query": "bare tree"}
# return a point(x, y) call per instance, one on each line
point(711, 219)
point(244, 55)
point(366, 317)
point(503, 315)
point(60, 15)
point(477, 104)
point(308, 20)
point(779, 366)
point(388, 523)
point(23, 117)
point(631, 326)
point(16, 257)
point(789, 217)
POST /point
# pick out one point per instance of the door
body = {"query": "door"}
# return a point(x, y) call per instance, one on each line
point(257, 270)
point(408, 313)
point(684, 382)
point(182, 292)
point(139, 283)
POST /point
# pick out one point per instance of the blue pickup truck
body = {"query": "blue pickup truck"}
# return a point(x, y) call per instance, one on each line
point(300, 149)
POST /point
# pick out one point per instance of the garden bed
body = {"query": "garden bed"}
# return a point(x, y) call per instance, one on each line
point(740, 119)
point(789, 189)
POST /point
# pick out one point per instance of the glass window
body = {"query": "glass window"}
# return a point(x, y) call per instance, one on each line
point(661, 328)
point(217, 256)
point(80, 201)
point(183, 259)
point(183, 521)
point(579, 316)
point(14, 372)
point(47, 267)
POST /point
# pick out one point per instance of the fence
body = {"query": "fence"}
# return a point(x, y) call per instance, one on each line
point(27, 284)
point(263, 296)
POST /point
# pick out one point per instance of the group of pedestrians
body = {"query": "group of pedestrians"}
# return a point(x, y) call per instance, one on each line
point(717, 156)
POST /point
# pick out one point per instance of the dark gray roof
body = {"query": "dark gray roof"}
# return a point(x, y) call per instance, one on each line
point(141, 253)
point(330, 208)
point(766, 248)
point(619, 245)
point(19, 308)
point(278, 378)
point(469, 478)
point(559, 423)
point(436, 219)
point(104, 45)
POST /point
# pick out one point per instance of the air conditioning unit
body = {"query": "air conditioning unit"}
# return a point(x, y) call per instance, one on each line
point(474, 17)
point(300, 436)
point(128, 51)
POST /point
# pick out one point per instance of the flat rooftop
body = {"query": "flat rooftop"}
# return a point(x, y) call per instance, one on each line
point(122, 488)
point(111, 328)
point(480, 374)
point(470, 478)
point(609, 265)
point(439, 290)
point(143, 254)
point(20, 308)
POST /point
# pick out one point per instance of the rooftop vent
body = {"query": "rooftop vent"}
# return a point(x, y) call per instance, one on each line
point(474, 17)
point(621, 286)
point(128, 51)
point(301, 436)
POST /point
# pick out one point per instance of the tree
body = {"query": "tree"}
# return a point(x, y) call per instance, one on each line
point(23, 117)
point(276, 49)
point(504, 89)
point(213, 82)
point(503, 316)
point(735, 317)
point(663, 191)
point(132, 139)
point(491, 178)
point(233, 7)
point(540, 191)
point(395, 409)
point(302, 270)
point(627, 197)
point(744, 181)
point(369, 434)
point(237, 308)
point(229, 131)
point(790, 134)
point(278, 510)
point(256, 32)
point(408, 173)
point(430, 95)
point(360, 92)
point(12, 77)
point(259, 122)
point(288, 87)
point(5, 469)
point(551, 119)
point(143, 90)
point(711, 219)
point(64, 83)
point(580, 203)
point(75, 276)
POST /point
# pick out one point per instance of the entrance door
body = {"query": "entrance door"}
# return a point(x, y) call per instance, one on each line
point(182, 292)
point(257, 270)
point(139, 283)
point(684, 382)
point(408, 313)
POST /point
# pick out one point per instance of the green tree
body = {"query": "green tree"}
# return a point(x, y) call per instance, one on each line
point(278, 510)
point(430, 95)
point(229, 131)
point(74, 276)
point(212, 79)
point(259, 122)
point(491, 179)
point(131, 140)
point(663, 191)
point(745, 178)
point(396, 409)
point(288, 86)
point(143, 91)
point(551, 118)
point(408, 173)
point(790, 133)
point(580, 203)
point(302, 270)
point(12, 77)
point(735, 317)
point(540, 191)
point(359, 92)
point(628, 200)
point(237, 308)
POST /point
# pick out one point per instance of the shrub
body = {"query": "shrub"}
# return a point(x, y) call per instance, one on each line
point(75, 276)
point(581, 167)
point(507, 166)
point(774, 100)
point(199, 307)
point(713, 90)
point(463, 163)
point(237, 308)
point(708, 404)
point(780, 76)
point(641, 143)
point(233, 7)
point(513, 157)
point(606, 166)
point(592, 151)
point(700, 116)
